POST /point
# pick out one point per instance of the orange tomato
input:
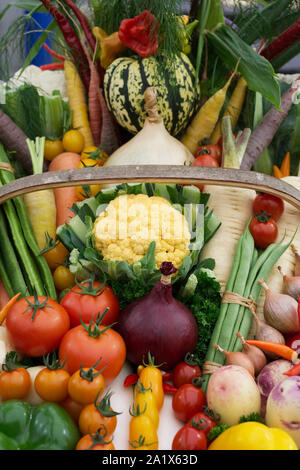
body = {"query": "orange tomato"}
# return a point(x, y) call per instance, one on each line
point(15, 383)
point(63, 278)
point(72, 407)
point(52, 149)
point(73, 141)
point(89, 442)
point(56, 256)
point(52, 385)
point(85, 390)
point(98, 414)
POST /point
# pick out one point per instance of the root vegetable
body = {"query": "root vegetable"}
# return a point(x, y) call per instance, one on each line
point(255, 354)
point(237, 358)
point(232, 393)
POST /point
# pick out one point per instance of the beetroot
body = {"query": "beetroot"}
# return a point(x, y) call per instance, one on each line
point(159, 324)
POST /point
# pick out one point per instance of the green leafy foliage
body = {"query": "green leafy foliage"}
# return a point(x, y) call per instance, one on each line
point(216, 431)
point(251, 417)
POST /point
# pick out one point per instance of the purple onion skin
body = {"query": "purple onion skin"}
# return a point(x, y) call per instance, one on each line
point(159, 324)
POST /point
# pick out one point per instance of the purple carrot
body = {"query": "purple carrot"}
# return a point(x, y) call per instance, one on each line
point(109, 136)
point(71, 39)
point(84, 23)
point(282, 42)
point(263, 134)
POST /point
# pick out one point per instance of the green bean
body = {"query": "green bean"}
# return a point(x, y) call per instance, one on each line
point(22, 248)
point(10, 261)
point(5, 279)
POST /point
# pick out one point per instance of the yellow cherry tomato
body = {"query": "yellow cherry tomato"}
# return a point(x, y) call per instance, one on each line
point(145, 400)
point(86, 152)
point(96, 154)
point(63, 278)
point(52, 149)
point(252, 435)
point(151, 377)
point(73, 141)
point(142, 433)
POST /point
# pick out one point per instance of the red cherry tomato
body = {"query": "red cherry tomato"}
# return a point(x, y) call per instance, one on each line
point(213, 150)
point(189, 438)
point(184, 372)
point(268, 203)
point(204, 420)
point(85, 301)
point(206, 160)
point(264, 230)
point(187, 401)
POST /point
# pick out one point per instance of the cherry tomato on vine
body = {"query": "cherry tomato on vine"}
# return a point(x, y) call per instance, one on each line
point(73, 141)
point(189, 438)
point(270, 204)
point(95, 441)
point(263, 229)
point(56, 255)
point(187, 401)
point(213, 150)
point(85, 385)
point(52, 149)
point(99, 413)
point(185, 371)
point(63, 278)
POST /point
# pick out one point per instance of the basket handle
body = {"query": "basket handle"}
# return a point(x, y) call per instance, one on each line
point(152, 173)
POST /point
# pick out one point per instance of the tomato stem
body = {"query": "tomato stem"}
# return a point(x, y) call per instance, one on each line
point(104, 406)
point(36, 305)
point(89, 374)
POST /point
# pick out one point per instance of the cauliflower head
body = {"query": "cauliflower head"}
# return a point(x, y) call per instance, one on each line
point(131, 222)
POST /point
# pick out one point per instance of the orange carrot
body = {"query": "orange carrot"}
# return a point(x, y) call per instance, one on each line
point(4, 296)
point(279, 349)
point(65, 197)
point(277, 172)
point(7, 306)
point(286, 165)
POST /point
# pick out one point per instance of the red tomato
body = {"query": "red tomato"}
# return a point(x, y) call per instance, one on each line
point(264, 230)
point(36, 331)
point(268, 203)
point(78, 348)
point(189, 438)
point(187, 401)
point(184, 373)
point(86, 301)
point(206, 160)
point(204, 420)
point(213, 150)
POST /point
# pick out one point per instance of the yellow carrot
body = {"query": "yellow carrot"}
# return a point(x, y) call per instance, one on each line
point(286, 165)
point(277, 172)
point(77, 102)
point(233, 109)
point(205, 120)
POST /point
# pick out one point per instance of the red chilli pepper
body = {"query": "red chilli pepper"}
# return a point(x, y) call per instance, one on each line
point(169, 389)
point(71, 39)
point(141, 33)
point(54, 66)
point(295, 370)
point(53, 53)
point(131, 379)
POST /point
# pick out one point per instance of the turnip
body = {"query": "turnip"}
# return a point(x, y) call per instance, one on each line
point(283, 407)
point(232, 393)
point(270, 376)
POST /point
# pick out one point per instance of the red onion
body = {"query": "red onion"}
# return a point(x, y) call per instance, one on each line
point(159, 324)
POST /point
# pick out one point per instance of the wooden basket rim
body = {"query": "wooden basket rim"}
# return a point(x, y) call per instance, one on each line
point(155, 174)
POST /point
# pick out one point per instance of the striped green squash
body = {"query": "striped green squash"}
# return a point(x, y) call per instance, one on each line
point(127, 78)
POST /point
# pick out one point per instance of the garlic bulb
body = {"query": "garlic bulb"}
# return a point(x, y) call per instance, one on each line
point(153, 145)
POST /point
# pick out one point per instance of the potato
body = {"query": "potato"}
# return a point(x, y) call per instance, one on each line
point(232, 393)
point(271, 375)
point(283, 407)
